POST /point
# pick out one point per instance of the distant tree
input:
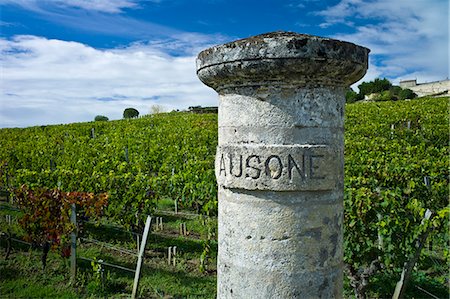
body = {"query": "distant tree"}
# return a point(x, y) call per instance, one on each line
point(130, 113)
point(351, 96)
point(101, 118)
point(375, 86)
point(385, 96)
point(155, 109)
point(407, 94)
point(394, 93)
point(395, 90)
point(381, 90)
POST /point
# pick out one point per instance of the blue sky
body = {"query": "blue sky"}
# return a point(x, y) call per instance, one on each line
point(66, 61)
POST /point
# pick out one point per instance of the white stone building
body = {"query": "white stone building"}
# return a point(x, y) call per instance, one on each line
point(436, 88)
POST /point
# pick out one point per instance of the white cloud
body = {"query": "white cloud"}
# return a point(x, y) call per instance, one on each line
point(105, 18)
point(107, 6)
point(408, 39)
point(110, 6)
point(49, 81)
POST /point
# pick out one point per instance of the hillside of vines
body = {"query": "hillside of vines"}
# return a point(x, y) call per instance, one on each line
point(136, 161)
point(396, 171)
point(396, 168)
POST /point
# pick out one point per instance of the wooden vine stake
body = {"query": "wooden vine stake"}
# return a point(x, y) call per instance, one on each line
point(73, 246)
point(174, 253)
point(400, 288)
point(176, 206)
point(183, 230)
point(159, 223)
point(140, 257)
point(8, 237)
point(137, 242)
point(171, 255)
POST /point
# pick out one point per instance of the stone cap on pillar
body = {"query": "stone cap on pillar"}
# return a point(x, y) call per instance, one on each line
point(282, 58)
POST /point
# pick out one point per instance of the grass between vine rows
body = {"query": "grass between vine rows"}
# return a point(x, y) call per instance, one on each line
point(22, 275)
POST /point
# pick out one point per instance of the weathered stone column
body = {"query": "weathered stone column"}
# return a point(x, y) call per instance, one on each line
point(280, 161)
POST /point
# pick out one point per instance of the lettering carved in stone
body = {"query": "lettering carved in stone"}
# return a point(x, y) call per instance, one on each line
point(282, 167)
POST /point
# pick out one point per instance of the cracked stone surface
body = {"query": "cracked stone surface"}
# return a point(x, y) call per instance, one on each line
point(279, 162)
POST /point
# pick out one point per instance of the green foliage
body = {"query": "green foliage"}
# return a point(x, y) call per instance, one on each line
point(23, 287)
point(379, 90)
point(395, 93)
point(206, 253)
point(157, 278)
point(98, 278)
point(386, 95)
point(130, 113)
point(391, 150)
point(390, 147)
point(101, 118)
point(395, 90)
point(376, 86)
point(137, 162)
point(4, 176)
point(406, 94)
point(351, 96)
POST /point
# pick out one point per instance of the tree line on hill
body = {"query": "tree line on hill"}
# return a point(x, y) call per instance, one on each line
point(155, 109)
point(127, 114)
point(376, 90)
point(379, 90)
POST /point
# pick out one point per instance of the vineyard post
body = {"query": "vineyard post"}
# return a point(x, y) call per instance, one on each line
point(426, 181)
point(73, 245)
point(7, 176)
point(380, 236)
point(160, 223)
point(174, 255)
point(10, 197)
point(400, 287)
point(280, 162)
point(137, 243)
point(141, 257)
point(183, 230)
point(156, 224)
point(8, 237)
point(169, 255)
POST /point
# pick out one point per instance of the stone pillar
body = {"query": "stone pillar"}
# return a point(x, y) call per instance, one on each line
point(280, 162)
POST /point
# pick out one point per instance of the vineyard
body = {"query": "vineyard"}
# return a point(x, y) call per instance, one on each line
point(118, 172)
